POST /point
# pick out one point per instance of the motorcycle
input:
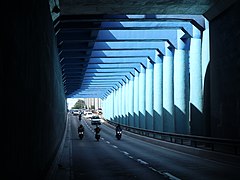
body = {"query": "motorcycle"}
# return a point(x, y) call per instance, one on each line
point(97, 133)
point(97, 136)
point(118, 135)
point(80, 134)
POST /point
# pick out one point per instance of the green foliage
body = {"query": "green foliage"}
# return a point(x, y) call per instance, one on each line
point(80, 104)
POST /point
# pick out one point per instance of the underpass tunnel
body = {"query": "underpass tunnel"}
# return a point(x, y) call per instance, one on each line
point(171, 72)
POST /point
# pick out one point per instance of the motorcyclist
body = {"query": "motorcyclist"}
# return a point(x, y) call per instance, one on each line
point(97, 131)
point(80, 116)
point(118, 128)
point(118, 135)
point(80, 128)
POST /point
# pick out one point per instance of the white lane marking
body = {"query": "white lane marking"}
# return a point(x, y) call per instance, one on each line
point(141, 161)
point(114, 146)
point(130, 157)
point(170, 176)
point(108, 142)
point(152, 169)
point(124, 152)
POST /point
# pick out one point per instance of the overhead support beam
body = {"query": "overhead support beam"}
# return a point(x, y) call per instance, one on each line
point(128, 35)
point(123, 53)
point(103, 74)
point(115, 60)
point(135, 45)
point(139, 25)
point(103, 78)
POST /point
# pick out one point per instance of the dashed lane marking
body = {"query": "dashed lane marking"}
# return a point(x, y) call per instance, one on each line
point(170, 176)
point(124, 152)
point(141, 161)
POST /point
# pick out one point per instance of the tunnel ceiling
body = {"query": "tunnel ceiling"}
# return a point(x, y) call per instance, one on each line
point(76, 7)
point(99, 53)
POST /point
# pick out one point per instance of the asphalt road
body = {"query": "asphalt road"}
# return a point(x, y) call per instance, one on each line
point(133, 158)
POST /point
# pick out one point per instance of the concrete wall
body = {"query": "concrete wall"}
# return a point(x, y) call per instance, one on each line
point(222, 83)
point(33, 101)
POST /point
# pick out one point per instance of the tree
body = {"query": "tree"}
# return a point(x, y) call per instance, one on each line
point(79, 104)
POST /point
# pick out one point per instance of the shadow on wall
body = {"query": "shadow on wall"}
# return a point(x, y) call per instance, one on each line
point(206, 104)
point(196, 121)
point(182, 125)
point(136, 120)
point(157, 121)
point(168, 122)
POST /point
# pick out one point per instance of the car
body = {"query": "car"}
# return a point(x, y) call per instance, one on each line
point(95, 120)
point(88, 115)
point(75, 112)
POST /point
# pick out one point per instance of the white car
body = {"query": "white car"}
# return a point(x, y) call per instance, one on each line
point(95, 120)
point(88, 115)
point(75, 112)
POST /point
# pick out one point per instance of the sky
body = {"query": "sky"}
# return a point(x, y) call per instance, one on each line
point(71, 102)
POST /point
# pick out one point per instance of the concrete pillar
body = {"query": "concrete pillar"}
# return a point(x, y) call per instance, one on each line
point(131, 102)
point(205, 51)
point(106, 111)
point(168, 115)
point(96, 103)
point(89, 102)
point(158, 93)
point(126, 102)
point(196, 103)
point(123, 103)
point(104, 108)
point(181, 91)
point(86, 102)
point(142, 97)
point(92, 102)
point(100, 103)
point(149, 95)
point(120, 103)
point(111, 107)
point(136, 99)
point(115, 106)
